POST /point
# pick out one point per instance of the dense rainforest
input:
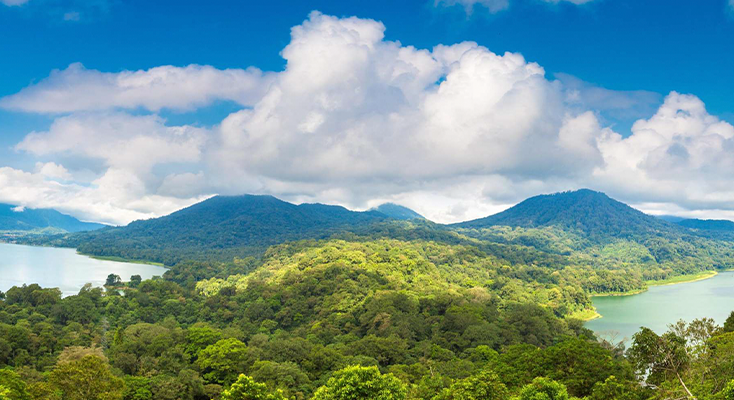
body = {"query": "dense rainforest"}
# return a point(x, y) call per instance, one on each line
point(268, 300)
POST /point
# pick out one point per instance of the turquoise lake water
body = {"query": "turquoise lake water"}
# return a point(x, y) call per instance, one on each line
point(62, 268)
point(663, 305)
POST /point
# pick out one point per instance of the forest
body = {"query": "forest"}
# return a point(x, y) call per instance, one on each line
point(267, 300)
point(338, 319)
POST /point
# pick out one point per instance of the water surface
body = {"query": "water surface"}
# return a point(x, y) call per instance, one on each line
point(62, 268)
point(660, 306)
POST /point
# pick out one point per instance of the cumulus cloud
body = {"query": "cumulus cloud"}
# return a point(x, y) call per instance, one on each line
point(180, 88)
point(455, 131)
point(681, 155)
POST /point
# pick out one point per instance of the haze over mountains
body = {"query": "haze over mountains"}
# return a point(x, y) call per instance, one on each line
point(15, 218)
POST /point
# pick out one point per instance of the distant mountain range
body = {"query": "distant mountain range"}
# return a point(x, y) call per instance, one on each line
point(708, 224)
point(15, 218)
point(581, 228)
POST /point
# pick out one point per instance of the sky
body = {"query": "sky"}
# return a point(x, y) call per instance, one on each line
point(115, 110)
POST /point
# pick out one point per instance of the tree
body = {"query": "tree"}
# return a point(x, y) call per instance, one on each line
point(729, 323)
point(135, 281)
point(245, 388)
point(728, 392)
point(113, 280)
point(357, 383)
point(223, 361)
point(544, 389)
point(484, 385)
point(660, 356)
point(89, 378)
point(612, 388)
point(12, 386)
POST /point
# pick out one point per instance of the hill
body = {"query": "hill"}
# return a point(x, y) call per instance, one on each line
point(397, 211)
point(13, 218)
point(587, 211)
point(246, 223)
point(593, 229)
point(708, 224)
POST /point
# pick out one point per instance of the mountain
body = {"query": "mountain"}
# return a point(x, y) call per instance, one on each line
point(708, 224)
point(248, 223)
point(13, 218)
point(397, 211)
point(587, 211)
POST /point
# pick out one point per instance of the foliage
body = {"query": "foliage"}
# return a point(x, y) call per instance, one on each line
point(245, 388)
point(543, 389)
point(89, 378)
point(357, 383)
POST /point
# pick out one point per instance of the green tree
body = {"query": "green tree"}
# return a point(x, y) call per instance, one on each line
point(223, 361)
point(729, 323)
point(612, 388)
point(245, 388)
point(135, 281)
point(543, 389)
point(357, 383)
point(13, 386)
point(660, 356)
point(89, 378)
point(113, 280)
point(728, 392)
point(484, 385)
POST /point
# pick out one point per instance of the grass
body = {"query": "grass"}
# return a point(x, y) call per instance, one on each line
point(630, 293)
point(584, 315)
point(125, 260)
point(683, 278)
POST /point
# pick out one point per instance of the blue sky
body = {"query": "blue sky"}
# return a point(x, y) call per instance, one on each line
point(639, 51)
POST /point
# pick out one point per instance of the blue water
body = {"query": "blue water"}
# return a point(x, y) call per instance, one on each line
point(663, 305)
point(62, 268)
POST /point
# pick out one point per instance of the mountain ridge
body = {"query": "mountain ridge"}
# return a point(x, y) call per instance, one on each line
point(18, 218)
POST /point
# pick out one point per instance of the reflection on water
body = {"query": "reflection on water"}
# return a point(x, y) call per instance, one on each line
point(62, 268)
point(664, 305)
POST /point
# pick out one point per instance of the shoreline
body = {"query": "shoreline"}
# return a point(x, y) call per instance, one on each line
point(681, 279)
point(665, 282)
point(122, 260)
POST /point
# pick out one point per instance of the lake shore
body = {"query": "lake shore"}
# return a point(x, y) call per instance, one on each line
point(589, 315)
point(122, 260)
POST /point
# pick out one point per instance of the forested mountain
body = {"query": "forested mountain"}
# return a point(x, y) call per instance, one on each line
point(585, 230)
point(247, 223)
point(397, 211)
point(708, 224)
point(13, 218)
point(587, 211)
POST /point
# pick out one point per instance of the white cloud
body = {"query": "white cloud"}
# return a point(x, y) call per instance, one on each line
point(681, 155)
point(455, 132)
point(79, 89)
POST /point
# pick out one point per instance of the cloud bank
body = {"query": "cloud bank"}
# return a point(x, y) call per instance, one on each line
point(455, 131)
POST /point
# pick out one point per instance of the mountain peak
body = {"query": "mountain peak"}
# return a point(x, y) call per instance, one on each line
point(397, 211)
point(586, 210)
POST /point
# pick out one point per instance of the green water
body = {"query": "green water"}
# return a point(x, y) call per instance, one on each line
point(663, 305)
point(62, 268)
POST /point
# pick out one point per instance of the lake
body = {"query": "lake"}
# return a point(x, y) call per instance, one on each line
point(62, 268)
point(664, 305)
